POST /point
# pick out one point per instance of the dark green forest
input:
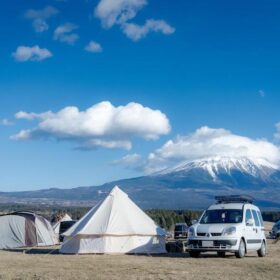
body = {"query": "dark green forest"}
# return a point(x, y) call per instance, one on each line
point(163, 217)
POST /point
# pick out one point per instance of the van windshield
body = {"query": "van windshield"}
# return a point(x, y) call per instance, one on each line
point(222, 216)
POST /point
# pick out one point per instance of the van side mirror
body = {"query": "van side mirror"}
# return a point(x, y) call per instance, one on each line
point(250, 222)
point(193, 222)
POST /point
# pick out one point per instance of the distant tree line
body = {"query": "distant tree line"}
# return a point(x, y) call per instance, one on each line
point(48, 211)
point(163, 217)
point(168, 218)
point(271, 216)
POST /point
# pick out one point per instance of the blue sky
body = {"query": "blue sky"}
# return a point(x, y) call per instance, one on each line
point(201, 63)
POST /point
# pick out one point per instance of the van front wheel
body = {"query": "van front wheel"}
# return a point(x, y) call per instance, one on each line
point(262, 250)
point(241, 250)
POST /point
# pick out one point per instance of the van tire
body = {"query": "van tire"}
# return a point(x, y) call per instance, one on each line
point(241, 250)
point(262, 250)
point(194, 254)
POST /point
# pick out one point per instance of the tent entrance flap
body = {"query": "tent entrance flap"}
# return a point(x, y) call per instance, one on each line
point(30, 233)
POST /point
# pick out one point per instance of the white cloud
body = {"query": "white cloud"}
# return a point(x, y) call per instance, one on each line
point(40, 25)
point(6, 122)
point(137, 32)
point(131, 161)
point(93, 47)
point(39, 17)
point(22, 135)
point(102, 125)
point(128, 160)
point(64, 33)
point(107, 144)
point(112, 12)
point(35, 53)
point(120, 12)
point(208, 142)
point(26, 116)
point(32, 116)
point(277, 134)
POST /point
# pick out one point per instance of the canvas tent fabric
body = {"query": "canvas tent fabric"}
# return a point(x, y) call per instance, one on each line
point(117, 225)
point(56, 226)
point(25, 229)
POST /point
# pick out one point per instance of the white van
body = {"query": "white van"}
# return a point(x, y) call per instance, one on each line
point(233, 224)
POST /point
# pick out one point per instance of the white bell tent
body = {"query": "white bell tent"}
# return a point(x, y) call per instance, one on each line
point(117, 225)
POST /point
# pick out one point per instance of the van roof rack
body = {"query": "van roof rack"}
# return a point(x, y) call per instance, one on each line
point(234, 199)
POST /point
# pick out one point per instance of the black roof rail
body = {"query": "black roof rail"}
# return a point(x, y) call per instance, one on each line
point(234, 199)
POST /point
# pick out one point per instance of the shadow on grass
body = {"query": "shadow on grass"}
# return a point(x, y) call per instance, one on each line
point(35, 251)
point(55, 251)
point(202, 256)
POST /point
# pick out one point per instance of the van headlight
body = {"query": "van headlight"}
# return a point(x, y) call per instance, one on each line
point(191, 232)
point(229, 231)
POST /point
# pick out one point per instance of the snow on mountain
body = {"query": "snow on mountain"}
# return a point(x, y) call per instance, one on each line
point(191, 184)
point(215, 166)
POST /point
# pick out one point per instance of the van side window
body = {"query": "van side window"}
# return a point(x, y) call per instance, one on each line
point(257, 222)
point(260, 218)
point(248, 215)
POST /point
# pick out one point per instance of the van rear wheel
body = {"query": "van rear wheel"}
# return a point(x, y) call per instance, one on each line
point(262, 250)
point(241, 250)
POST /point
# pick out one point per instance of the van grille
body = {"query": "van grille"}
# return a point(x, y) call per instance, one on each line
point(216, 234)
point(216, 243)
point(212, 234)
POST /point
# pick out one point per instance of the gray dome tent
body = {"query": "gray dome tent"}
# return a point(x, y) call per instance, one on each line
point(25, 229)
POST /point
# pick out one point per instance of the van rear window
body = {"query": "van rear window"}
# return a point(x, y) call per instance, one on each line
point(260, 218)
point(255, 215)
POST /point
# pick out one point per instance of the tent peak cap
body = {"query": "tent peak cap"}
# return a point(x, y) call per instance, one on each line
point(117, 191)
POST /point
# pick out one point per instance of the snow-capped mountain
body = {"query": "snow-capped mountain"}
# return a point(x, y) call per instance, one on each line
point(216, 167)
point(238, 173)
point(192, 184)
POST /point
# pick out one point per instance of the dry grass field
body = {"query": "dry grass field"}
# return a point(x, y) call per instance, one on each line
point(37, 264)
point(46, 264)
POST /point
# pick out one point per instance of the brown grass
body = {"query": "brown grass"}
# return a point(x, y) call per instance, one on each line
point(44, 264)
point(48, 264)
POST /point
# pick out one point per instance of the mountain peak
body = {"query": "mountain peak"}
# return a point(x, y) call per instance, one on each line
point(191, 184)
point(214, 166)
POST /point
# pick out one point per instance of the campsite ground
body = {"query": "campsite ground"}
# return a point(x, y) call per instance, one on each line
point(46, 264)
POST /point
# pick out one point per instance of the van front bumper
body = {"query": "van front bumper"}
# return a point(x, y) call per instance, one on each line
point(213, 245)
